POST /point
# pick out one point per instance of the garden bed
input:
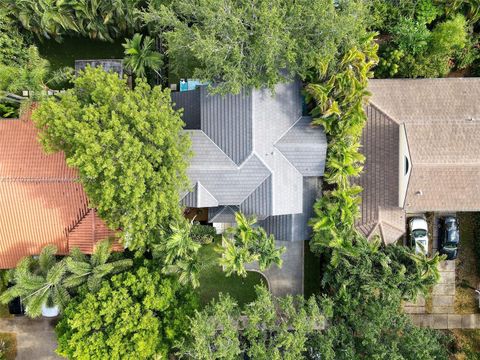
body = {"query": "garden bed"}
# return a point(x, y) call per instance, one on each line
point(467, 344)
point(467, 273)
point(214, 281)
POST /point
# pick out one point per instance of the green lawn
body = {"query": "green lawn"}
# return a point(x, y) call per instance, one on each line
point(213, 280)
point(312, 272)
point(78, 48)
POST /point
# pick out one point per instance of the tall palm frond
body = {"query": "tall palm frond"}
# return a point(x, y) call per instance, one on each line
point(94, 269)
point(140, 55)
point(39, 283)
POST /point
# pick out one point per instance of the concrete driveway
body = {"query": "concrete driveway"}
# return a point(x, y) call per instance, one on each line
point(35, 337)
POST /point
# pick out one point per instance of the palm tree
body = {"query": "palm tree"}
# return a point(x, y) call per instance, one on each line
point(235, 257)
point(39, 283)
point(245, 244)
point(140, 56)
point(179, 254)
point(91, 270)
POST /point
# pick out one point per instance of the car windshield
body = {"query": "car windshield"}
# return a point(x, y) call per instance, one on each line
point(419, 233)
point(450, 246)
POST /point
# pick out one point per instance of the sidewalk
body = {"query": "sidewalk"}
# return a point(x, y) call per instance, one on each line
point(35, 338)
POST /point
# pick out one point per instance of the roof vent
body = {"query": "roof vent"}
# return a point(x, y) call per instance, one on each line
point(470, 119)
point(419, 192)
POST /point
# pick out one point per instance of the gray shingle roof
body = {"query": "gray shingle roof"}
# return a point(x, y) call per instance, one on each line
point(305, 147)
point(252, 152)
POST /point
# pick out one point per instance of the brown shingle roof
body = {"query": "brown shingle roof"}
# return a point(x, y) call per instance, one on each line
point(427, 100)
point(379, 179)
point(442, 125)
point(40, 200)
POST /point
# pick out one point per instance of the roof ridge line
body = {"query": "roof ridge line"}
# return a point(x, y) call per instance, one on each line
point(199, 183)
point(218, 147)
point(286, 131)
point(246, 197)
point(22, 179)
point(391, 118)
point(456, 164)
point(75, 224)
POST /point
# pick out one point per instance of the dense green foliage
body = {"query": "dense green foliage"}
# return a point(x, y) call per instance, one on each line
point(129, 148)
point(367, 284)
point(366, 281)
point(339, 101)
point(179, 254)
point(425, 38)
point(140, 55)
point(241, 43)
point(39, 282)
point(97, 19)
point(246, 243)
point(137, 314)
point(91, 270)
point(223, 331)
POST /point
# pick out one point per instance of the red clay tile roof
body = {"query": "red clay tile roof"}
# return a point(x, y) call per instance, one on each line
point(40, 200)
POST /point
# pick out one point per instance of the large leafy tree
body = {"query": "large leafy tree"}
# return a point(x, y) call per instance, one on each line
point(38, 282)
point(246, 243)
point(268, 328)
point(129, 148)
point(253, 43)
point(92, 269)
point(135, 315)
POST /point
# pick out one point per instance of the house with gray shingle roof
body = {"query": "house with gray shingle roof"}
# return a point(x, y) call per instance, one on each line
point(422, 148)
point(256, 153)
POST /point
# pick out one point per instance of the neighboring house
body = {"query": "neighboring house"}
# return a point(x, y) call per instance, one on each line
point(422, 148)
point(254, 152)
point(41, 201)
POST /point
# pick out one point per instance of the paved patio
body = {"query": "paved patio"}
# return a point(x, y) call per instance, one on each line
point(35, 338)
point(289, 278)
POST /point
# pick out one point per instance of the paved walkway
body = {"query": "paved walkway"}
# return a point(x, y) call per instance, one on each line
point(447, 321)
point(289, 278)
point(35, 338)
point(443, 294)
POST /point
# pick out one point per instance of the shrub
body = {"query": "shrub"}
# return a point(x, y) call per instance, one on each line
point(203, 234)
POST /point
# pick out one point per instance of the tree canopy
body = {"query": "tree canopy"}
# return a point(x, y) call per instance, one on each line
point(129, 148)
point(268, 328)
point(253, 43)
point(136, 315)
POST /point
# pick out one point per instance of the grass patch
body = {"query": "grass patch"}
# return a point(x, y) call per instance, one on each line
point(78, 48)
point(8, 346)
point(312, 273)
point(467, 278)
point(467, 344)
point(213, 280)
